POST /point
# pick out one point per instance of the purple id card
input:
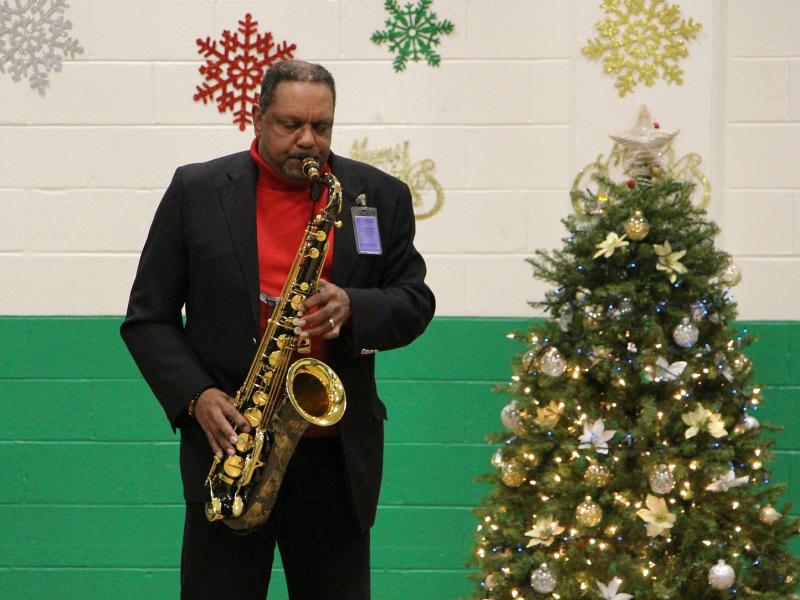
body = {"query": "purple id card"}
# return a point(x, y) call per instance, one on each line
point(365, 224)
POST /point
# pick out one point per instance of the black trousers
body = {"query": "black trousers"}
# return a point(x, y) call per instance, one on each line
point(325, 556)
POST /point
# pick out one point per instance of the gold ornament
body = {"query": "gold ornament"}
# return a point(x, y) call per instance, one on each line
point(597, 475)
point(512, 474)
point(637, 227)
point(589, 513)
point(427, 194)
point(768, 515)
point(641, 41)
point(730, 274)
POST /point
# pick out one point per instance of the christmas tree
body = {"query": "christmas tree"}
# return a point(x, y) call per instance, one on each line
point(632, 466)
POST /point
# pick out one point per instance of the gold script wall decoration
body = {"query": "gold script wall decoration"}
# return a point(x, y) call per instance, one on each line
point(427, 194)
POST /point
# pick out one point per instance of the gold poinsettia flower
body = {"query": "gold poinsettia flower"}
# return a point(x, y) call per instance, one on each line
point(607, 247)
point(670, 261)
point(544, 531)
point(659, 520)
point(547, 416)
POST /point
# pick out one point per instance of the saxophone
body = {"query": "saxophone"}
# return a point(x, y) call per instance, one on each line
point(279, 398)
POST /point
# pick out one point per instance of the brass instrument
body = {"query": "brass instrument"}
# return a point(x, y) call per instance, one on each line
point(280, 398)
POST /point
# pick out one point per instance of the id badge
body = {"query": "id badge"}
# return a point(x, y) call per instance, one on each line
point(365, 224)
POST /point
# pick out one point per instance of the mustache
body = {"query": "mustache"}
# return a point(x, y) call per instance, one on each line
point(301, 157)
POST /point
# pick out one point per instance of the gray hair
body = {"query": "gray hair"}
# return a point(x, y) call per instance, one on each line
point(293, 70)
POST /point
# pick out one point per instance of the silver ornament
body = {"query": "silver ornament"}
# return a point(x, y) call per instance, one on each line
point(511, 418)
point(685, 334)
point(698, 311)
point(768, 515)
point(721, 576)
point(746, 423)
point(750, 422)
point(543, 580)
point(661, 481)
point(582, 295)
point(492, 581)
point(552, 363)
point(565, 320)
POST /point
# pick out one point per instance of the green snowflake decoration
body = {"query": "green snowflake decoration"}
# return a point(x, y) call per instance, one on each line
point(640, 38)
point(412, 32)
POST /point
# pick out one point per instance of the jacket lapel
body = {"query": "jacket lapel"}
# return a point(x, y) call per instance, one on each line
point(238, 198)
point(345, 256)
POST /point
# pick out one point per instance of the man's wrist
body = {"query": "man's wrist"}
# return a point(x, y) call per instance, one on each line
point(193, 402)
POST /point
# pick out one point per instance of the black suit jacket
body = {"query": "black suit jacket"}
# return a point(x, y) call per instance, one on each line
point(201, 253)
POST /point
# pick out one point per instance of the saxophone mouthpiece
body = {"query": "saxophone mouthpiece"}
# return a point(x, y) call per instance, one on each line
point(311, 168)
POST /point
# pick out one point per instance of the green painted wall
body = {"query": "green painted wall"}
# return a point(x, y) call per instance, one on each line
point(91, 507)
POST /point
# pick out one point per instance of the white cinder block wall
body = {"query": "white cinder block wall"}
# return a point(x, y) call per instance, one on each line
point(510, 117)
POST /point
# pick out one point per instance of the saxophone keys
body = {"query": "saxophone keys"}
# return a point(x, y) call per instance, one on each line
point(260, 398)
point(233, 466)
point(297, 299)
point(214, 509)
point(337, 224)
point(245, 442)
point(313, 253)
point(274, 358)
point(321, 236)
point(304, 286)
point(238, 506)
point(253, 416)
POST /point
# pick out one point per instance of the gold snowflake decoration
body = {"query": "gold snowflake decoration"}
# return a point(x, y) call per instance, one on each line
point(640, 41)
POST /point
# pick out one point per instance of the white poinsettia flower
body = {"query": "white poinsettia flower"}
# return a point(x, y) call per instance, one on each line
point(716, 427)
point(666, 371)
point(597, 436)
point(544, 531)
point(669, 261)
point(723, 483)
point(702, 418)
point(659, 520)
point(607, 247)
point(611, 591)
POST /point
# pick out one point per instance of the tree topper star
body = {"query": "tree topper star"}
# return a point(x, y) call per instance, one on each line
point(607, 247)
point(643, 145)
point(611, 591)
point(597, 436)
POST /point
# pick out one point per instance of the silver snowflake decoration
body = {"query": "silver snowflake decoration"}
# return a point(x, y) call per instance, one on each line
point(412, 32)
point(34, 39)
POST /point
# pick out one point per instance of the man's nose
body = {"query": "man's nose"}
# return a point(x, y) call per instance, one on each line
point(305, 137)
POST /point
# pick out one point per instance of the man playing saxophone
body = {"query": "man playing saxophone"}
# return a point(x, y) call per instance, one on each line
point(220, 247)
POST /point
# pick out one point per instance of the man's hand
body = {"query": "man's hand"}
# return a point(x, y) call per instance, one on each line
point(216, 414)
point(333, 311)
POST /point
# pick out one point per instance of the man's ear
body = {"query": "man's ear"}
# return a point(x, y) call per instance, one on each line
point(257, 113)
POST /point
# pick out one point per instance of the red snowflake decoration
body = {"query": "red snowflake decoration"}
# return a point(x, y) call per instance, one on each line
point(235, 68)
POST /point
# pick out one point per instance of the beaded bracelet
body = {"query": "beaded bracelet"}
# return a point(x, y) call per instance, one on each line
point(193, 402)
